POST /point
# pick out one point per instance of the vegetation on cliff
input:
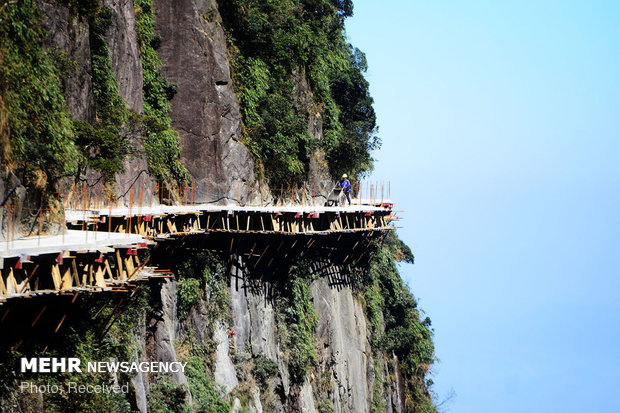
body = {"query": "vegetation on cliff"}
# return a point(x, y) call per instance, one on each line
point(36, 133)
point(276, 48)
point(39, 141)
point(397, 324)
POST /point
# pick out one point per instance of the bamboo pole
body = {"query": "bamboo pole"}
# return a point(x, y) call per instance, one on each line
point(8, 226)
point(40, 219)
point(110, 216)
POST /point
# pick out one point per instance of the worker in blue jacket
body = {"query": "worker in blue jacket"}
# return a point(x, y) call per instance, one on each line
point(346, 187)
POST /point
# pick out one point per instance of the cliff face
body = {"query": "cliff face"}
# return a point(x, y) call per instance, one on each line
point(244, 350)
point(205, 110)
point(341, 379)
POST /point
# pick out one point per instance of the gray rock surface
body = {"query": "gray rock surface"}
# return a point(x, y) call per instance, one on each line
point(343, 332)
point(204, 109)
point(306, 398)
point(166, 329)
point(122, 41)
point(225, 373)
point(140, 382)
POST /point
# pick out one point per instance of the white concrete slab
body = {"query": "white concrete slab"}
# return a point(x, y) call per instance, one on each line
point(71, 241)
point(80, 215)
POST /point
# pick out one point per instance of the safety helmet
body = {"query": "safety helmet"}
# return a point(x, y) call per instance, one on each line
point(344, 176)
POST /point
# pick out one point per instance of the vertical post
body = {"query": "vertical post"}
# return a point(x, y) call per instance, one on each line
point(8, 226)
point(371, 194)
point(327, 194)
point(141, 195)
point(2, 208)
point(85, 211)
point(40, 217)
point(128, 229)
point(359, 193)
point(64, 223)
point(110, 217)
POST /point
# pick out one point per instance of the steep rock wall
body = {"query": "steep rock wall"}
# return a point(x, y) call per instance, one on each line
point(204, 108)
point(342, 377)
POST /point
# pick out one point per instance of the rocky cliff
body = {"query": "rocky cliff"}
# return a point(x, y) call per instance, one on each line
point(194, 98)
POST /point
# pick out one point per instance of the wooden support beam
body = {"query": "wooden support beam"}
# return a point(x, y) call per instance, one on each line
point(38, 316)
point(67, 277)
point(62, 320)
point(27, 283)
point(11, 283)
point(3, 291)
point(99, 275)
point(56, 278)
point(128, 261)
point(75, 273)
point(119, 265)
point(261, 256)
point(108, 269)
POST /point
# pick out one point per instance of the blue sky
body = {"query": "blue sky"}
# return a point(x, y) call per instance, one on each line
point(500, 123)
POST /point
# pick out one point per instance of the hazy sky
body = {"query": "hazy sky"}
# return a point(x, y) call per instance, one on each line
point(500, 123)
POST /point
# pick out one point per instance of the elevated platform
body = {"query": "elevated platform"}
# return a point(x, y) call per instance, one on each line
point(71, 240)
point(73, 262)
point(162, 221)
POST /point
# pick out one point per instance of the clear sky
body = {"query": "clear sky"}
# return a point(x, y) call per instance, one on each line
point(500, 123)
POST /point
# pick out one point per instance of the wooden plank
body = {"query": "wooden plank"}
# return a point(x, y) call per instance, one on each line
point(67, 278)
point(108, 269)
point(27, 282)
point(3, 291)
point(11, 282)
point(128, 266)
point(99, 275)
point(119, 265)
point(56, 276)
point(75, 273)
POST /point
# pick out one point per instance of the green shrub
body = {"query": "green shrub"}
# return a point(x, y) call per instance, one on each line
point(161, 143)
point(396, 323)
point(38, 139)
point(264, 368)
point(269, 42)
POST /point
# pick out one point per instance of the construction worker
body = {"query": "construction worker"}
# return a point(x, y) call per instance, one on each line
point(346, 187)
